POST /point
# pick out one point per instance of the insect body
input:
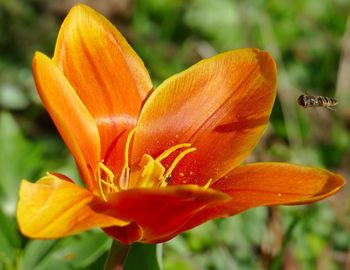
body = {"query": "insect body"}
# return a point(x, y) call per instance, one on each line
point(317, 101)
point(168, 178)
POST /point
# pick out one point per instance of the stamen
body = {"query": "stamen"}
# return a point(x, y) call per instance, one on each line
point(208, 184)
point(113, 187)
point(125, 174)
point(127, 145)
point(100, 183)
point(169, 151)
point(109, 173)
point(124, 177)
point(175, 162)
point(109, 182)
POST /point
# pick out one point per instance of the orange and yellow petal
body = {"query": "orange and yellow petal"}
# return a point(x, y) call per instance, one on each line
point(220, 105)
point(269, 184)
point(54, 207)
point(106, 73)
point(73, 121)
point(157, 211)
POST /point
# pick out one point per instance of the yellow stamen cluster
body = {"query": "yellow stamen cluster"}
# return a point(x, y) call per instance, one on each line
point(151, 172)
point(108, 182)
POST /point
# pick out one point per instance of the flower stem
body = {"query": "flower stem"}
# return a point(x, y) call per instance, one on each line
point(116, 256)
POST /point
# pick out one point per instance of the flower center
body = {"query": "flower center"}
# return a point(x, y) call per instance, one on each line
point(150, 173)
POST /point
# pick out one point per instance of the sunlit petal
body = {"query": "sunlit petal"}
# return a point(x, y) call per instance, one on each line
point(220, 105)
point(69, 114)
point(106, 73)
point(269, 184)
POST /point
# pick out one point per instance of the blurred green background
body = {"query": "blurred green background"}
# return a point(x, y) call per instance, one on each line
point(310, 41)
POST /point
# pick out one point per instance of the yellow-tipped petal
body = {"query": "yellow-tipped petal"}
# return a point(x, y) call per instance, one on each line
point(73, 121)
point(269, 184)
point(54, 207)
point(106, 73)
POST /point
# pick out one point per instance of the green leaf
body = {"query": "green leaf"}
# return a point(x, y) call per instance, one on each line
point(19, 159)
point(9, 237)
point(277, 261)
point(145, 256)
point(75, 252)
point(83, 249)
point(12, 96)
point(35, 252)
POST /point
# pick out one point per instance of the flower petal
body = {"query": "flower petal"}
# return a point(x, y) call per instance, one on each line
point(55, 207)
point(220, 105)
point(72, 119)
point(269, 184)
point(106, 73)
point(127, 234)
point(158, 211)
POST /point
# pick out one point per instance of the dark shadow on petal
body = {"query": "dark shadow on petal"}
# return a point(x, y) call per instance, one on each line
point(241, 125)
point(333, 183)
point(113, 145)
point(127, 234)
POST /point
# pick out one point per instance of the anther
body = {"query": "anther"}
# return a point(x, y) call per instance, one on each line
point(109, 173)
point(169, 151)
point(125, 174)
point(113, 187)
point(100, 183)
point(109, 182)
point(208, 184)
point(176, 161)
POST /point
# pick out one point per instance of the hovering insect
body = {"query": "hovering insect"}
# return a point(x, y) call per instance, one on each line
point(317, 101)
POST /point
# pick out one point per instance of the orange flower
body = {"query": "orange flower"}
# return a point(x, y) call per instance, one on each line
point(157, 166)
